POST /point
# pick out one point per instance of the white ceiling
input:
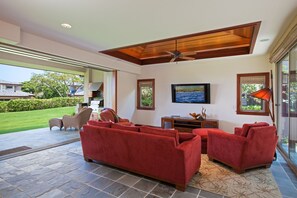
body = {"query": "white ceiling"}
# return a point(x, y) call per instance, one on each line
point(105, 24)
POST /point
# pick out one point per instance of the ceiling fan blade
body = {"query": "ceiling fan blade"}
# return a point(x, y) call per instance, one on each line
point(171, 53)
point(173, 59)
point(187, 58)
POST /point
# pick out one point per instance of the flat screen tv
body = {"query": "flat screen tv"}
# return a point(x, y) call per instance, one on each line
point(191, 93)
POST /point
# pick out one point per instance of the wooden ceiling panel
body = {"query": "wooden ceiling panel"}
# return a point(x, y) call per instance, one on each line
point(229, 41)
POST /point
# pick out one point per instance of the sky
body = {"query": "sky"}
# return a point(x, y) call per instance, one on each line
point(16, 74)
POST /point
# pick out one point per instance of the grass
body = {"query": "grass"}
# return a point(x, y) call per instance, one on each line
point(26, 120)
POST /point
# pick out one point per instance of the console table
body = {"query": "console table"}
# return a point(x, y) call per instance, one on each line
point(187, 124)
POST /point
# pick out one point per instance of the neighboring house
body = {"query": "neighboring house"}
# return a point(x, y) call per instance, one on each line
point(12, 90)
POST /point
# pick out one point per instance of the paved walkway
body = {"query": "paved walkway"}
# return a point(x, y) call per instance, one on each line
point(36, 138)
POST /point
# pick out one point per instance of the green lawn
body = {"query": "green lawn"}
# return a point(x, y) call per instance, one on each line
point(25, 120)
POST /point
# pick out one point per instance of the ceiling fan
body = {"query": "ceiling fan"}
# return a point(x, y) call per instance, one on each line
point(182, 55)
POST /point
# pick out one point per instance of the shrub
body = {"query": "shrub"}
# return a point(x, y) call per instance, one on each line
point(35, 104)
point(3, 106)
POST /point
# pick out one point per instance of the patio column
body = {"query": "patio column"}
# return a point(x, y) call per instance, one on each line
point(87, 80)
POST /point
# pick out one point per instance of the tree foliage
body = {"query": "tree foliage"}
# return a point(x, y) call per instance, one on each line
point(51, 84)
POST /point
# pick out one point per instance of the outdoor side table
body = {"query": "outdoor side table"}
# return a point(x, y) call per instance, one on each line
point(55, 122)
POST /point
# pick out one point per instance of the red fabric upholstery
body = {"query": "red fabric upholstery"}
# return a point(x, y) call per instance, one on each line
point(161, 132)
point(100, 124)
point(185, 137)
point(237, 130)
point(151, 155)
point(124, 127)
point(241, 153)
point(203, 133)
point(246, 127)
point(108, 114)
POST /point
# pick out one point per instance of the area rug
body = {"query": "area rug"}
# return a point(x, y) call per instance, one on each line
point(218, 178)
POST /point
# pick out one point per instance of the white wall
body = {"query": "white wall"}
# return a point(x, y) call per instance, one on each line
point(97, 76)
point(220, 73)
point(126, 94)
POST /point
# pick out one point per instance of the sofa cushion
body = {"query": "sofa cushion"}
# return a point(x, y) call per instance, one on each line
point(185, 136)
point(126, 123)
point(100, 124)
point(162, 132)
point(124, 127)
point(247, 127)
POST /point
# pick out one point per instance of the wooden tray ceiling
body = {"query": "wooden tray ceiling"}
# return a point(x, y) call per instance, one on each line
point(231, 41)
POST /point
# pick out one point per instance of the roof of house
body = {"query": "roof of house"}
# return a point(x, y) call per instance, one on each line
point(6, 93)
point(4, 82)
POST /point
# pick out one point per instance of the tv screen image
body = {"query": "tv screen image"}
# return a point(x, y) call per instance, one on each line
point(191, 93)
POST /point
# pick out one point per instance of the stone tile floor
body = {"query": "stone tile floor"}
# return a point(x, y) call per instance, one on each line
point(36, 138)
point(284, 177)
point(62, 172)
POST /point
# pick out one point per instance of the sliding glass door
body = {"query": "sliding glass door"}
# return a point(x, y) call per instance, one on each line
point(283, 122)
point(287, 104)
point(293, 105)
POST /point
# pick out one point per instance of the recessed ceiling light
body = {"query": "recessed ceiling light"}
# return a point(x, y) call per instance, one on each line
point(66, 25)
point(264, 40)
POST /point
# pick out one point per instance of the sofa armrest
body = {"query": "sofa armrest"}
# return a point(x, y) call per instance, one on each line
point(191, 151)
point(237, 130)
point(225, 147)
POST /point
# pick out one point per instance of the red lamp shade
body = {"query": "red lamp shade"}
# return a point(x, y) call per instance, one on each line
point(264, 94)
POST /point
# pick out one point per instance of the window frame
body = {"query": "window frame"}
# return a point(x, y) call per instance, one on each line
point(139, 81)
point(238, 95)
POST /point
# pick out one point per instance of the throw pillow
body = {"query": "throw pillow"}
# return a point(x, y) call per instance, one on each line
point(124, 127)
point(247, 127)
point(100, 124)
point(162, 132)
point(185, 136)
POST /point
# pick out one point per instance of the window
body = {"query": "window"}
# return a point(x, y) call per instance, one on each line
point(246, 84)
point(146, 94)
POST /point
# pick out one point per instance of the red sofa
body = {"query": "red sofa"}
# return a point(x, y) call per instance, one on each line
point(157, 156)
point(253, 146)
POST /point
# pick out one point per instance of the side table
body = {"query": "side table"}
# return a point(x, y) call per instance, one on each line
point(55, 122)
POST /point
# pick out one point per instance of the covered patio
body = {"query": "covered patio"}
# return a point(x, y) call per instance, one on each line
point(22, 142)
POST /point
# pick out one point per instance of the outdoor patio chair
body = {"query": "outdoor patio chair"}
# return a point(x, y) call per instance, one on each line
point(78, 120)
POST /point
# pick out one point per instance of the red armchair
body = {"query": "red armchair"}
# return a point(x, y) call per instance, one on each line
point(240, 152)
point(108, 114)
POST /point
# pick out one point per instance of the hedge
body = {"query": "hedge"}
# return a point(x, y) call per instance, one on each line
point(35, 104)
point(3, 106)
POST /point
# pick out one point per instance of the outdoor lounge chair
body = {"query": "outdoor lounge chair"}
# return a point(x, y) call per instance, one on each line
point(78, 120)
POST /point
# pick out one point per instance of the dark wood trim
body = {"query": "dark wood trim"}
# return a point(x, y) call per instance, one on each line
point(189, 35)
point(232, 50)
point(254, 37)
point(288, 160)
point(123, 56)
point(138, 94)
point(238, 96)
